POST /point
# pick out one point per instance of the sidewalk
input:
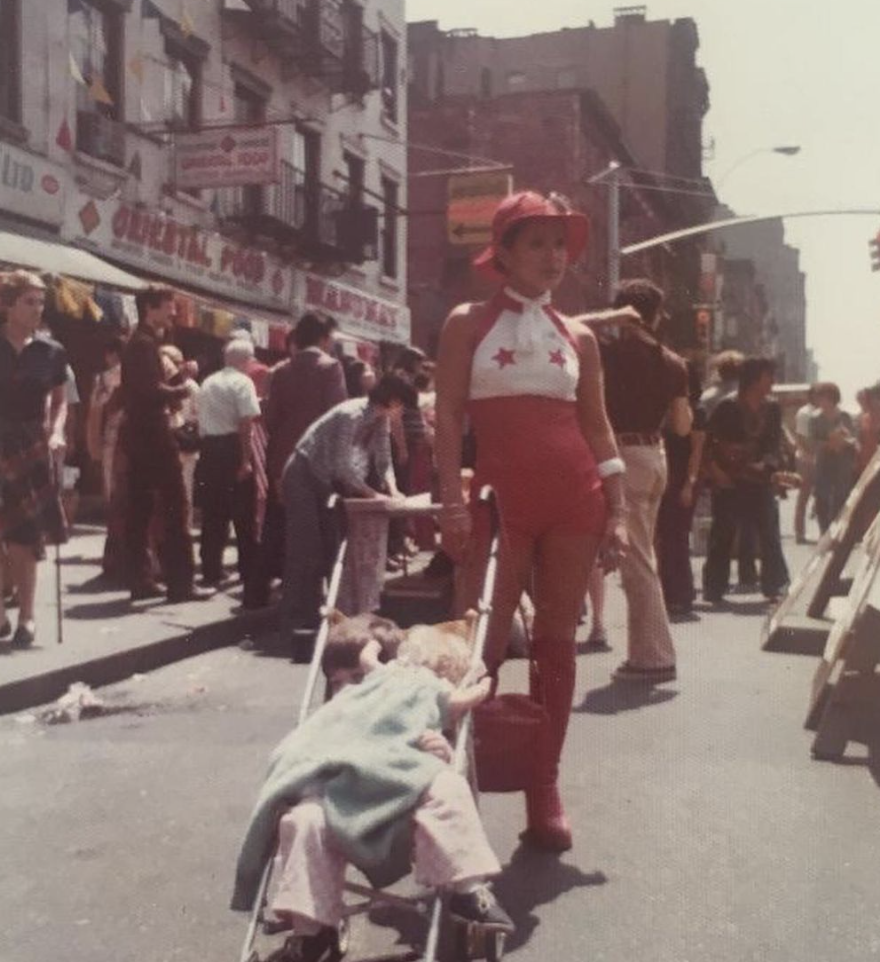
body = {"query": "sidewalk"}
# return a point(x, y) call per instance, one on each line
point(105, 637)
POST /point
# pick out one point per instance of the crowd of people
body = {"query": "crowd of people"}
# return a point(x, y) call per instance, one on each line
point(599, 441)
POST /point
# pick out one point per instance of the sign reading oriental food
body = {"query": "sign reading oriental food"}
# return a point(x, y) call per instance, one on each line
point(227, 157)
point(162, 245)
point(359, 313)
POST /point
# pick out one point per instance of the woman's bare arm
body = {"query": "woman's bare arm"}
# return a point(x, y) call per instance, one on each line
point(453, 377)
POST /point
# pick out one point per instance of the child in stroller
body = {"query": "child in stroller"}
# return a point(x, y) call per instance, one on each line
point(369, 781)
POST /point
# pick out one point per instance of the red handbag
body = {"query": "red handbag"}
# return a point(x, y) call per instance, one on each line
point(507, 733)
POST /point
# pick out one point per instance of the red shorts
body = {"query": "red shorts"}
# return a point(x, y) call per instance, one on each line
point(532, 452)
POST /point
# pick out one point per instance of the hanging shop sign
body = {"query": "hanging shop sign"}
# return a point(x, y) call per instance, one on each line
point(162, 245)
point(358, 313)
point(228, 157)
point(472, 199)
point(31, 186)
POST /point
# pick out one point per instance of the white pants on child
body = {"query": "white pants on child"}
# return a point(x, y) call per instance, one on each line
point(450, 847)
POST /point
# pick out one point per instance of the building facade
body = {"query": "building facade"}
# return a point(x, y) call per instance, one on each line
point(644, 71)
point(250, 154)
point(557, 108)
point(777, 267)
point(515, 129)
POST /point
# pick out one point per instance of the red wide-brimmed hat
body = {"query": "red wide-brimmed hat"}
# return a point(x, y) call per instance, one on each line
point(526, 205)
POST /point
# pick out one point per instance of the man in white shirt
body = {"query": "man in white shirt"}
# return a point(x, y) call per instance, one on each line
point(228, 405)
point(805, 460)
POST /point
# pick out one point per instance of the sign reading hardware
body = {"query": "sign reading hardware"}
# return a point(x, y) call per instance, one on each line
point(359, 313)
point(228, 157)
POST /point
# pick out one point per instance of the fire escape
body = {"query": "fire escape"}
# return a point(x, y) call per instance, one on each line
point(327, 41)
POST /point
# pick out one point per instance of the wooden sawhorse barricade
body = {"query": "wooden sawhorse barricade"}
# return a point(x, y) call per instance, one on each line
point(802, 623)
point(846, 688)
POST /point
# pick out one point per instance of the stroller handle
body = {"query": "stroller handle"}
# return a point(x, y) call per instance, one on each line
point(484, 613)
point(335, 505)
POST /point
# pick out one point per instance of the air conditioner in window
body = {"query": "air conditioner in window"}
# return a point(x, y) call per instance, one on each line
point(100, 137)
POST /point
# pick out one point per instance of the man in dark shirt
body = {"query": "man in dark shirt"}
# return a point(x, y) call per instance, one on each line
point(744, 448)
point(646, 387)
point(155, 477)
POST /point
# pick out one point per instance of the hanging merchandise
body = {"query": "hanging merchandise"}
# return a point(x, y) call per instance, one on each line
point(135, 165)
point(129, 311)
point(75, 298)
point(76, 73)
point(260, 332)
point(277, 337)
point(110, 304)
point(136, 66)
point(99, 93)
point(149, 11)
point(185, 312)
point(64, 138)
point(186, 25)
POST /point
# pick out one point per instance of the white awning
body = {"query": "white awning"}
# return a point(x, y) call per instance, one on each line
point(40, 255)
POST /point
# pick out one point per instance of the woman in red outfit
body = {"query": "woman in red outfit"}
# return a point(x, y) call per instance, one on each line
point(531, 382)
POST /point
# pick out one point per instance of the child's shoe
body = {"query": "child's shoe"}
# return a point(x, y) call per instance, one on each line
point(480, 907)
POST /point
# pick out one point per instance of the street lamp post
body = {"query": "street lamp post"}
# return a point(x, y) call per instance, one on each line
point(611, 176)
point(785, 150)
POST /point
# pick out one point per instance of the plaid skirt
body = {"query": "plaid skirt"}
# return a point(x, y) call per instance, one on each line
point(30, 505)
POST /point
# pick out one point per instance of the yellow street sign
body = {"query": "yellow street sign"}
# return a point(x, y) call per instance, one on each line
point(472, 199)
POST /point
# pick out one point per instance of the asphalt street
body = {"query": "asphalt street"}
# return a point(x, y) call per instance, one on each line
point(704, 830)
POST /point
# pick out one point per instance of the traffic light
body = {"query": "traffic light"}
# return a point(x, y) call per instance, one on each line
point(703, 326)
point(874, 248)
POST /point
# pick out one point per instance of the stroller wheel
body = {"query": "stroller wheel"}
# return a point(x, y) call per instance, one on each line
point(476, 942)
point(495, 946)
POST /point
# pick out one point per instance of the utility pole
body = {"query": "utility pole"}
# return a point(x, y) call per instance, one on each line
point(611, 176)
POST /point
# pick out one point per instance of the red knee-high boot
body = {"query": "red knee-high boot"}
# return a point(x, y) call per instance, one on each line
point(551, 682)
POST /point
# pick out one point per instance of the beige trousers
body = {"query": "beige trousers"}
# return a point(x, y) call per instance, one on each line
point(649, 639)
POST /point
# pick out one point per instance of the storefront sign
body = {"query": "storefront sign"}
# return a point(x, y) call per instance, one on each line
point(161, 245)
point(31, 186)
point(359, 313)
point(228, 157)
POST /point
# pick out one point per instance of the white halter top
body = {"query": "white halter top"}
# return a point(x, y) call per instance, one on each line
point(524, 348)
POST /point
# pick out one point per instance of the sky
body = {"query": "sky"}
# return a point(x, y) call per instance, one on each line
point(780, 72)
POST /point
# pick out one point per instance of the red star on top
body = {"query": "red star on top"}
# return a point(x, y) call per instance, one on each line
point(504, 357)
point(556, 357)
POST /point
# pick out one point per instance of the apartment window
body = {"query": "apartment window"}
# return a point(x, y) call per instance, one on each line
point(182, 89)
point(486, 82)
point(355, 175)
point(389, 75)
point(95, 32)
point(249, 108)
point(390, 194)
point(10, 61)
point(566, 78)
point(353, 45)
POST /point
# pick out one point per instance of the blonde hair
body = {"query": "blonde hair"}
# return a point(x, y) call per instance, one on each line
point(14, 283)
point(445, 653)
point(173, 353)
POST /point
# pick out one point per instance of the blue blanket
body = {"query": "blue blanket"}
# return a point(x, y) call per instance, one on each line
point(359, 753)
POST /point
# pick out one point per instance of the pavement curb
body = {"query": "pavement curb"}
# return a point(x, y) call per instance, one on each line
point(47, 686)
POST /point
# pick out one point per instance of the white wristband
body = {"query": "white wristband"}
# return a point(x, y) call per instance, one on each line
point(610, 467)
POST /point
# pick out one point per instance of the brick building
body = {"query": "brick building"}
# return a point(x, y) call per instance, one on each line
point(515, 129)
point(631, 92)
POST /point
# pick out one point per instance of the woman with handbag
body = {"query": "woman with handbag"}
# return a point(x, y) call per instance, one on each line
point(530, 381)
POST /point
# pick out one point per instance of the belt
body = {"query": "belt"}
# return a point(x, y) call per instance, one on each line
point(629, 438)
